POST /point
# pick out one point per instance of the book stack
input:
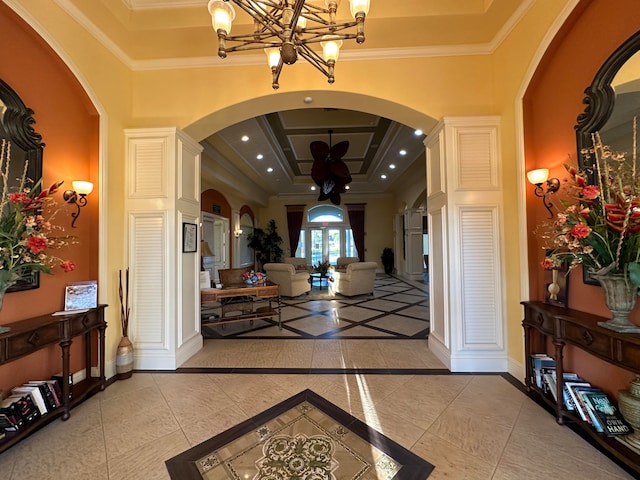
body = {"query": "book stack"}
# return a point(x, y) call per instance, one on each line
point(543, 367)
point(591, 404)
point(27, 403)
point(594, 407)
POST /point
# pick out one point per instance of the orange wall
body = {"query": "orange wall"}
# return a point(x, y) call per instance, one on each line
point(68, 124)
point(552, 104)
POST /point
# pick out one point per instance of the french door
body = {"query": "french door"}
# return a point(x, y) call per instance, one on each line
point(325, 243)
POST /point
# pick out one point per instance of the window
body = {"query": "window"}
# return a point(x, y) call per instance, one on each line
point(325, 214)
point(325, 236)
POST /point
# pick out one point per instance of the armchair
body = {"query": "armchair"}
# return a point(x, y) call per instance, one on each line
point(299, 263)
point(342, 262)
point(357, 279)
point(292, 282)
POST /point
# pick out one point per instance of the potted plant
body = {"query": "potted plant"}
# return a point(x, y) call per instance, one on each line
point(266, 244)
point(387, 260)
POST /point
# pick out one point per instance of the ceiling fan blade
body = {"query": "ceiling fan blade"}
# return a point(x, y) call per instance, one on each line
point(319, 150)
point(339, 150)
point(340, 169)
point(319, 171)
point(335, 198)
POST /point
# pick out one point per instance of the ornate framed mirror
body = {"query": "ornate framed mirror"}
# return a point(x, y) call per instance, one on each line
point(16, 122)
point(612, 100)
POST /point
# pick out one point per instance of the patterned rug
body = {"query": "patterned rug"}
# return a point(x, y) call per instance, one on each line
point(304, 437)
point(396, 309)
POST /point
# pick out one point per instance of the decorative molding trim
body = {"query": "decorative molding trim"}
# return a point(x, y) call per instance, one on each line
point(244, 60)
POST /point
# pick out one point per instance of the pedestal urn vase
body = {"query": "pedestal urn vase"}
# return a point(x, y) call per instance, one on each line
point(620, 296)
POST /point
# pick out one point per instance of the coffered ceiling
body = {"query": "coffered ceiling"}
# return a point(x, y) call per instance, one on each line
point(148, 34)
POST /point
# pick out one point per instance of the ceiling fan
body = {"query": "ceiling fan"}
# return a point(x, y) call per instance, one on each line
point(329, 171)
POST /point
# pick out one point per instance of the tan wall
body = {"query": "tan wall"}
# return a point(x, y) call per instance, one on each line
point(413, 91)
point(378, 222)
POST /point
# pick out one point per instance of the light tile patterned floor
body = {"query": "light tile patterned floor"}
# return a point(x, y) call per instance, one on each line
point(324, 314)
point(471, 427)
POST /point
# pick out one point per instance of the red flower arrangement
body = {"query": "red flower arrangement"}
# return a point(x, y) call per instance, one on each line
point(26, 228)
point(598, 224)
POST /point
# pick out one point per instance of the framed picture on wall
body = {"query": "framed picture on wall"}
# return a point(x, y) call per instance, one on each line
point(189, 237)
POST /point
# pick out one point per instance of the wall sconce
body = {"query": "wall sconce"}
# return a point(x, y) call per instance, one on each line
point(78, 197)
point(537, 178)
point(238, 232)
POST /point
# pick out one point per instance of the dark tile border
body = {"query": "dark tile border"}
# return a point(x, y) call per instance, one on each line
point(182, 466)
point(310, 371)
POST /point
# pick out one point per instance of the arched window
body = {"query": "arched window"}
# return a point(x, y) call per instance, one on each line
point(325, 213)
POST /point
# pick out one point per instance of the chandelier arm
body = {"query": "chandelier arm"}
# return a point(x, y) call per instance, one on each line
point(275, 74)
point(297, 9)
point(314, 59)
point(268, 21)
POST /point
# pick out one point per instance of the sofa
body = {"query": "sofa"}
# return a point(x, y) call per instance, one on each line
point(342, 262)
point(357, 279)
point(292, 282)
point(299, 263)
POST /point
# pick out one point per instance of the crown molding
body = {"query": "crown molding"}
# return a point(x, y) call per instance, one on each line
point(258, 59)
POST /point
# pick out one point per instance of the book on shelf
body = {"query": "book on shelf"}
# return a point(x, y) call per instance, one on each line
point(48, 393)
point(541, 361)
point(58, 379)
point(36, 396)
point(20, 409)
point(607, 414)
point(590, 416)
point(570, 387)
point(10, 417)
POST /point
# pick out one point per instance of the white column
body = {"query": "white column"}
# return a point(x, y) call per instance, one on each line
point(466, 244)
point(162, 192)
point(414, 260)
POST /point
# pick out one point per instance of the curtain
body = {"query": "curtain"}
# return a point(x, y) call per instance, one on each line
point(294, 224)
point(356, 219)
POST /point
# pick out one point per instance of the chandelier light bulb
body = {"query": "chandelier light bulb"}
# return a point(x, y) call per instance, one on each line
point(222, 15)
point(273, 56)
point(331, 47)
point(359, 6)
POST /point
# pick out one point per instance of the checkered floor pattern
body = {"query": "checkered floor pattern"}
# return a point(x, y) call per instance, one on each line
point(396, 309)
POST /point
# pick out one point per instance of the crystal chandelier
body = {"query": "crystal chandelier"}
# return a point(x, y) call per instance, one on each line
point(287, 28)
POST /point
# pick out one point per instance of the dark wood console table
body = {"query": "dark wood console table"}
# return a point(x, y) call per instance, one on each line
point(564, 326)
point(267, 291)
point(32, 334)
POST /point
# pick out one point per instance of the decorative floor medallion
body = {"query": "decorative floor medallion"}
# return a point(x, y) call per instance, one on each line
point(303, 438)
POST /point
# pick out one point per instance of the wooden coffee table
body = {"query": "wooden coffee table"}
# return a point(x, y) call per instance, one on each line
point(320, 277)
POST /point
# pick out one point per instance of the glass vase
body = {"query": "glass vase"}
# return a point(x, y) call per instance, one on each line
point(620, 295)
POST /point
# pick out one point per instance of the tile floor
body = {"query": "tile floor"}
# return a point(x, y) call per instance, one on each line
point(472, 427)
point(397, 309)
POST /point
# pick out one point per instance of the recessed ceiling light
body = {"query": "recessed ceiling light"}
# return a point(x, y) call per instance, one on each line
point(259, 156)
point(392, 166)
point(269, 170)
point(347, 187)
point(383, 176)
point(245, 138)
point(417, 133)
point(313, 187)
point(403, 152)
